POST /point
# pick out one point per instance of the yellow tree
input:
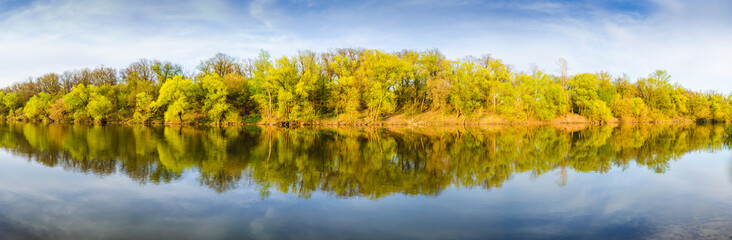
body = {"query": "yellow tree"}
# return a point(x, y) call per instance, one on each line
point(176, 97)
point(436, 70)
point(214, 103)
point(381, 73)
point(264, 91)
point(347, 89)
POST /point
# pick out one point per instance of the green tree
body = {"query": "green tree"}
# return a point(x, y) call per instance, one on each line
point(176, 97)
point(238, 88)
point(465, 96)
point(215, 93)
point(99, 107)
point(36, 109)
point(656, 92)
point(628, 109)
point(143, 109)
point(584, 91)
point(347, 90)
point(165, 71)
point(76, 101)
point(436, 70)
point(382, 72)
point(264, 91)
point(541, 97)
point(11, 102)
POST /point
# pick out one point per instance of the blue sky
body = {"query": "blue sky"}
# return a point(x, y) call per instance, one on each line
point(690, 39)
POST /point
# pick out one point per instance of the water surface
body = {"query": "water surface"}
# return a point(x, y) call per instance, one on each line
point(138, 182)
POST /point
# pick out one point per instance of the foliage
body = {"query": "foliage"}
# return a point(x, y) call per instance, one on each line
point(99, 107)
point(355, 85)
point(176, 96)
point(215, 93)
point(143, 109)
point(264, 91)
point(381, 73)
point(76, 101)
point(11, 101)
point(586, 95)
point(36, 108)
point(58, 112)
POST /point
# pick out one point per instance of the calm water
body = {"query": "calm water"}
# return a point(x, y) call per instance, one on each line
point(648, 182)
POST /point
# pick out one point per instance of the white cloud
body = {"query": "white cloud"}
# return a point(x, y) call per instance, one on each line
point(689, 39)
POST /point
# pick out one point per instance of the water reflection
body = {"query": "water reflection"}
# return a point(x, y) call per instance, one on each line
point(364, 162)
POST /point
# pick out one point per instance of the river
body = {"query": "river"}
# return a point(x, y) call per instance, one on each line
point(536, 182)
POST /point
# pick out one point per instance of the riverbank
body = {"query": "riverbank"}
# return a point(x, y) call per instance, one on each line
point(401, 119)
point(440, 119)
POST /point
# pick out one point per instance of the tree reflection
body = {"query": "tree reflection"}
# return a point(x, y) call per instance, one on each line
point(354, 162)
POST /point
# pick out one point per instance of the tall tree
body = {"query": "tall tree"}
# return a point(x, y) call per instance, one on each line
point(176, 97)
point(221, 64)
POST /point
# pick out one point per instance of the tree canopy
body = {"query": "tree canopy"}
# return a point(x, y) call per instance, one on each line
point(360, 85)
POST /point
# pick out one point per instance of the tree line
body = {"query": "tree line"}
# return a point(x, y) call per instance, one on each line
point(352, 85)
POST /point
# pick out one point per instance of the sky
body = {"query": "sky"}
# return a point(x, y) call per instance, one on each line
point(692, 40)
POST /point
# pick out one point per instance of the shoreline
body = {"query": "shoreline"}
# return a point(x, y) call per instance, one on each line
point(402, 120)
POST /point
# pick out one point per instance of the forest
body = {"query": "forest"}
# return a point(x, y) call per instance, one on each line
point(350, 85)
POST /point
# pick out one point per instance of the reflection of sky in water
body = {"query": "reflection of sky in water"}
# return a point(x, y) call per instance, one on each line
point(693, 197)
